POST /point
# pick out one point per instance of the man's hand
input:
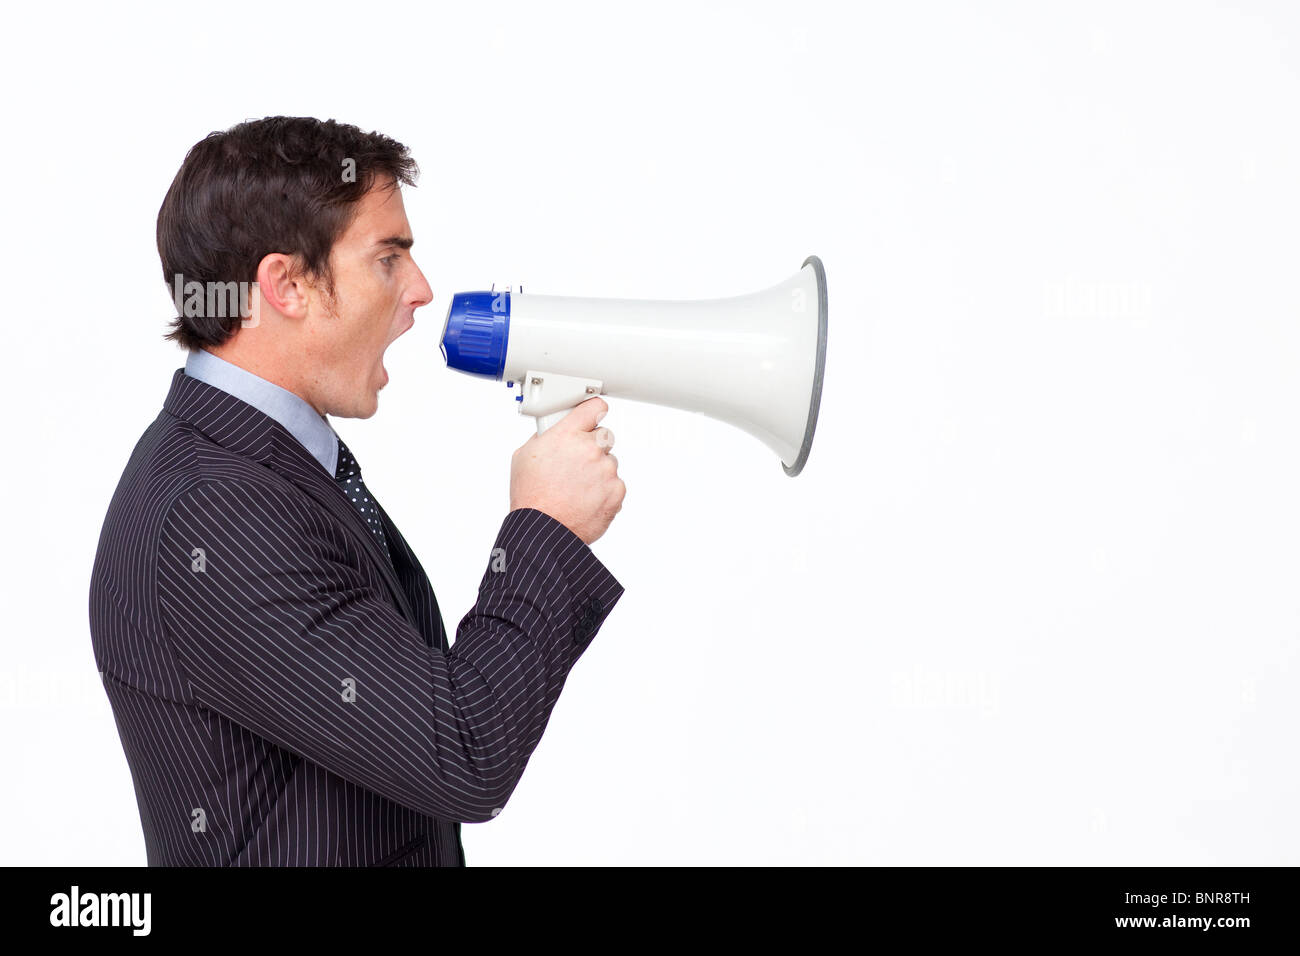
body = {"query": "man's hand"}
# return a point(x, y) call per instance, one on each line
point(568, 473)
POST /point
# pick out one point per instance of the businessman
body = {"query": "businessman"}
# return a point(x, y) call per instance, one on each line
point(273, 652)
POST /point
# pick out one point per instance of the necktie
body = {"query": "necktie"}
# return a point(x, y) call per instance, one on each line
point(348, 476)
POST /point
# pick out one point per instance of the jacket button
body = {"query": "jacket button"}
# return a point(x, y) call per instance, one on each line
point(585, 625)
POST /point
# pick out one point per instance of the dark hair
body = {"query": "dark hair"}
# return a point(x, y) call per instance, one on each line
point(283, 184)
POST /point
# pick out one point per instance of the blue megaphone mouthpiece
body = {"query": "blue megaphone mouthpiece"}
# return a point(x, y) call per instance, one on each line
point(476, 333)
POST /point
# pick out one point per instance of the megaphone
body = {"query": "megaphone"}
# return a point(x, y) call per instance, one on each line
point(754, 361)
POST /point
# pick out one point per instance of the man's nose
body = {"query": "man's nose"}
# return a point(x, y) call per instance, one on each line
point(423, 295)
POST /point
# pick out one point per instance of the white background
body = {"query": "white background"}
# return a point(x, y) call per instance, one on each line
point(1033, 599)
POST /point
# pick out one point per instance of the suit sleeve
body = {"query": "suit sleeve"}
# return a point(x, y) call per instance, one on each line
point(286, 631)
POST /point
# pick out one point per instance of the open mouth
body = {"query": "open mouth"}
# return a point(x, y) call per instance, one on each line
point(383, 368)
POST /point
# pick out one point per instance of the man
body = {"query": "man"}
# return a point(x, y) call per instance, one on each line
point(273, 652)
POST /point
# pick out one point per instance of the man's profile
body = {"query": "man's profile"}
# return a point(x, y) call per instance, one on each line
point(275, 657)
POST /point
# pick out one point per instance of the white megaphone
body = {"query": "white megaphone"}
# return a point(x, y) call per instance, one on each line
point(755, 361)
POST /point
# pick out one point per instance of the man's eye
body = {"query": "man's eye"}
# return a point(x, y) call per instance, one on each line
point(389, 260)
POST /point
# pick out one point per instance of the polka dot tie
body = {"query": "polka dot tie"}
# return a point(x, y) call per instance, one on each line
point(348, 476)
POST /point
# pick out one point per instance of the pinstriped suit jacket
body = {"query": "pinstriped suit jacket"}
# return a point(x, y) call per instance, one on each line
point(284, 694)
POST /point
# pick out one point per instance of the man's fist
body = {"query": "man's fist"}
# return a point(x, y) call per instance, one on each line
point(569, 473)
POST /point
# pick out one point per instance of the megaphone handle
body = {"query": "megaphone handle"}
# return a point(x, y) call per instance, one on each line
point(546, 421)
point(554, 395)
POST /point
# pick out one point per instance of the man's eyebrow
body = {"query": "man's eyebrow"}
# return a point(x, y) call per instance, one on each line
point(401, 242)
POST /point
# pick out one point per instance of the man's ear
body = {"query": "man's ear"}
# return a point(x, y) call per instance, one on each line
point(282, 284)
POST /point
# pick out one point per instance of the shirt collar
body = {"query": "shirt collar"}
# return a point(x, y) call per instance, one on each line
point(302, 421)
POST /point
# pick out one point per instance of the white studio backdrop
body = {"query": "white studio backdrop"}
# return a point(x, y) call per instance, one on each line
point(1033, 599)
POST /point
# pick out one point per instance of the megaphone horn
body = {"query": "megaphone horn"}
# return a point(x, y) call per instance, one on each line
point(754, 361)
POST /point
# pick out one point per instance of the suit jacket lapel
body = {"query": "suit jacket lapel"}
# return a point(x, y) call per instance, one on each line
point(244, 430)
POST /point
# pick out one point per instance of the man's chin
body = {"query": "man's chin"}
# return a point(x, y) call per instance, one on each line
point(362, 408)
